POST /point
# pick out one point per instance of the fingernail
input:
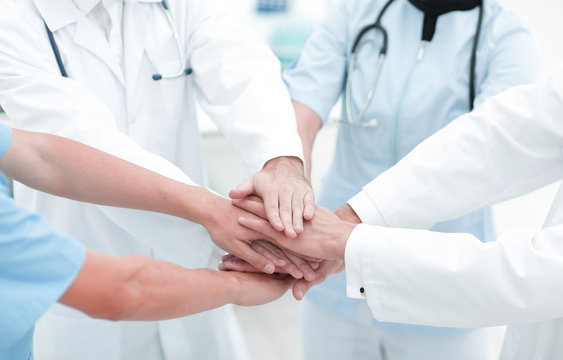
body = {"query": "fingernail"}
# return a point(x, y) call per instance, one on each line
point(297, 274)
point(300, 293)
point(269, 268)
point(280, 262)
point(309, 275)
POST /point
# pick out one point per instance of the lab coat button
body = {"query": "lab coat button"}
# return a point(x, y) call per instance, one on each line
point(362, 291)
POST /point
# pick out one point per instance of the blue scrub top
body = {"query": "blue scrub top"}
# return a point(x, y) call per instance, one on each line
point(37, 265)
point(413, 99)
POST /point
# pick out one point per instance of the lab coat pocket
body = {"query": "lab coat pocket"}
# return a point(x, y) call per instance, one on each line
point(63, 333)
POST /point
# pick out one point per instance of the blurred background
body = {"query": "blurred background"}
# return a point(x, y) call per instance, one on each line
point(273, 330)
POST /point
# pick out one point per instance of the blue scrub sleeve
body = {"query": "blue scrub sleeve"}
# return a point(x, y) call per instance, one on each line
point(37, 264)
point(5, 138)
point(322, 63)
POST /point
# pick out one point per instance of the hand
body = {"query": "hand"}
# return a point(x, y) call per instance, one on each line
point(346, 213)
point(258, 289)
point(328, 267)
point(221, 221)
point(288, 196)
point(325, 236)
point(295, 266)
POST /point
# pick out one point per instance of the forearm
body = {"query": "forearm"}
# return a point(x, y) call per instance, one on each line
point(69, 169)
point(140, 288)
point(164, 291)
point(428, 278)
point(308, 125)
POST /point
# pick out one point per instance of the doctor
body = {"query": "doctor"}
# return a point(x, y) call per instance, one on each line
point(124, 77)
point(405, 68)
point(39, 264)
point(509, 146)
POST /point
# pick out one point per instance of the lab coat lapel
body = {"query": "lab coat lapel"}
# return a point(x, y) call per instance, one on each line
point(555, 215)
point(137, 21)
point(91, 38)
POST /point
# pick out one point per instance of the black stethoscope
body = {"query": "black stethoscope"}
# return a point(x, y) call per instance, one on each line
point(156, 77)
point(432, 10)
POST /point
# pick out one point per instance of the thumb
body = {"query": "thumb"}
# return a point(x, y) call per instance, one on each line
point(301, 287)
point(243, 190)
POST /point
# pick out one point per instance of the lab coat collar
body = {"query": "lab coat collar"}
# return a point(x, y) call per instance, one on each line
point(60, 13)
point(85, 5)
point(57, 13)
point(90, 37)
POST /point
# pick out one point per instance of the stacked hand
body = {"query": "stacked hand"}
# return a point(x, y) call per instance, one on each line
point(324, 237)
point(290, 200)
point(279, 229)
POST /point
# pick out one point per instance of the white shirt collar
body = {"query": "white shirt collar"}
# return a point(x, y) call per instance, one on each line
point(85, 6)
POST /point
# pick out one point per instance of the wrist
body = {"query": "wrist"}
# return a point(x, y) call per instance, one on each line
point(346, 213)
point(341, 234)
point(291, 162)
point(204, 207)
point(237, 288)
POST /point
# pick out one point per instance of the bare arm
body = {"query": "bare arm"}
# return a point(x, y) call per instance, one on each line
point(308, 125)
point(140, 288)
point(69, 169)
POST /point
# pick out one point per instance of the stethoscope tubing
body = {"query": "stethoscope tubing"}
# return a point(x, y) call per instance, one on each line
point(380, 60)
point(381, 57)
point(156, 77)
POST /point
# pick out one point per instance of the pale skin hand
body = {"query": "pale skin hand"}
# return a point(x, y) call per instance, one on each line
point(69, 169)
point(324, 237)
point(221, 221)
point(327, 267)
point(140, 288)
point(295, 266)
point(288, 196)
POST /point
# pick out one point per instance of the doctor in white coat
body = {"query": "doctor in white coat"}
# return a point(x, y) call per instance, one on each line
point(113, 53)
point(509, 146)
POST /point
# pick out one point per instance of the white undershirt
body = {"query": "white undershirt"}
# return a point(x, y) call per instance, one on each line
point(108, 15)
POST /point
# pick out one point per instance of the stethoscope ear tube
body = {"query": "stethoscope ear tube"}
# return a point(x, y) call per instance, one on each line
point(56, 51)
point(376, 26)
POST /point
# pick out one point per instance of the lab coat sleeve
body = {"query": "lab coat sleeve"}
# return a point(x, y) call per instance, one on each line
point(322, 63)
point(508, 56)
point(510, 145)
point(238, 83)
point(455, 280)
point(36, 98)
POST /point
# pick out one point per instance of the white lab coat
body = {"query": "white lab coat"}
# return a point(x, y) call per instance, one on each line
point(235, 81)
point(509, 146)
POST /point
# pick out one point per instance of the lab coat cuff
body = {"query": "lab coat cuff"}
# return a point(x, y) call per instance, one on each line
point(352, 257)
point(366, 210)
